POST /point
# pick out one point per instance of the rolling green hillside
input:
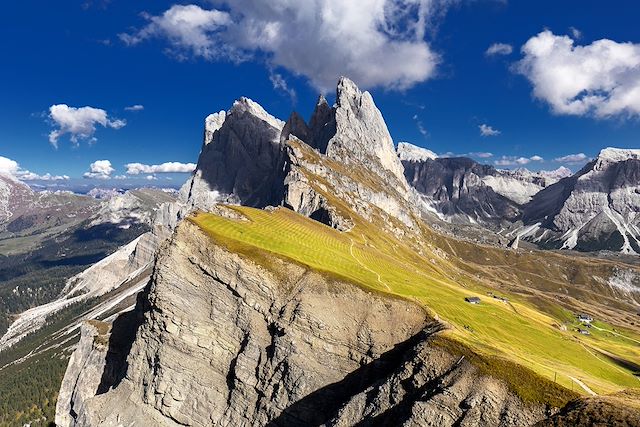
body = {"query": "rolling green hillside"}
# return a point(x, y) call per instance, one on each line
point(500, 335)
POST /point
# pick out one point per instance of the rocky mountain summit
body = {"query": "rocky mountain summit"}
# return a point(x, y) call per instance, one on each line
point(229, 333)
point(592, 210)
point(597, 208)
point(252, 158)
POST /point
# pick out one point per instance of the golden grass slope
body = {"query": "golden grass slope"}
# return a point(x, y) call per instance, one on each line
point(500, 335)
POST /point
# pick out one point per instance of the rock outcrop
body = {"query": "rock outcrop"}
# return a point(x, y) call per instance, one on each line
point(220, 340)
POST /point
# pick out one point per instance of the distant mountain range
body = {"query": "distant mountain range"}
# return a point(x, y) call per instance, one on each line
point(594, 209)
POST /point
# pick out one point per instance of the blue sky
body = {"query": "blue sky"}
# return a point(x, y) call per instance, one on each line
point(432, 77)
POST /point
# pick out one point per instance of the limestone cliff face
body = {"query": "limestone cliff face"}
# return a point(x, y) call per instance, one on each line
point(241, 160)
point(219, 340)
point(352, 132)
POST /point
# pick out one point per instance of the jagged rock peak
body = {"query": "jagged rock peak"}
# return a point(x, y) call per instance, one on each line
point(413, 153)
point(297, 127)
point(212, 123)
point(361, 133)
point(557, 174)
point(614, 155)
point(246, 105)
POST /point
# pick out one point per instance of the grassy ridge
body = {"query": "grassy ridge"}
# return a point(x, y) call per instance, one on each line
point(514, 332)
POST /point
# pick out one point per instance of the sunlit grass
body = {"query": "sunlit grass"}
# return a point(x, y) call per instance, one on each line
point(514, 331)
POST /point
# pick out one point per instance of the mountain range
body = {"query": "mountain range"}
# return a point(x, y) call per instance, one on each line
point(310, 273)
point(594, 209)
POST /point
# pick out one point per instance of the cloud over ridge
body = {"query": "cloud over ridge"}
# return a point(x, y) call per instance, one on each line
point(374, 42)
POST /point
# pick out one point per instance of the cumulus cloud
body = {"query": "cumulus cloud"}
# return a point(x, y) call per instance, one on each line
point(150, 178)
point(187, 27)
point(100, 169)
point(499, 49)
point(517, 161)
point(572, 159)
point(168, 167)
point(79, 123)
point(136, 107)
point(8, 166)
point(12, 168)
point(601, 79)
point(486, 130)
point(374, 42)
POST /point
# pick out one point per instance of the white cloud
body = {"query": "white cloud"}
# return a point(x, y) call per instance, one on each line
point(499, 49)
point(168, 167)
point(150, 178)
point(30, 176)
point(374, 42)
point(79, 123)
point(100, 169)
point(8, 166)
point(420, 125)
point(480, 154)
point(515, 160)
point(576, 33)
point(601, 79)
point(280, 83)
point(11, 167)
point(187, 27)
point(136, 107)
point(486, 130)
point(572, 159)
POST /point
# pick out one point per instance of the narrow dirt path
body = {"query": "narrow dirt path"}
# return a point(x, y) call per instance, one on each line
point(367, 268)
point(583, 385)
point(614, 333)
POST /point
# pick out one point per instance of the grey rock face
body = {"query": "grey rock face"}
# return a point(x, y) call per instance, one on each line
point(224, 342)
point(429, 387)
point(83, 374)
point(354, 132)
point(595, 209)
point(456, 188)
point(241, 161)
point(247, 159)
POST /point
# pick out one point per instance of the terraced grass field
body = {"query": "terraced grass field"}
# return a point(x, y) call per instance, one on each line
point(501, 333)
